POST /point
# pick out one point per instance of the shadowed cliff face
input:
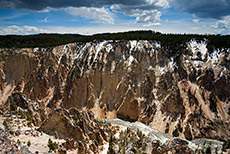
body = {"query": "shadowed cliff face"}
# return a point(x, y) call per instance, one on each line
point(184, 94)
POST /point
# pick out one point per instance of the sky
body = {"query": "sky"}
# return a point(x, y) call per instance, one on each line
point(24, 17)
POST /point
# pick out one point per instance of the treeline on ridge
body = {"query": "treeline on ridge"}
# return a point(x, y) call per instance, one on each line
point(171, 42)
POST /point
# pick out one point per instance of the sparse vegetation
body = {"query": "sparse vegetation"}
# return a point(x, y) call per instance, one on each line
point(205, 149)
point(128, 140)
point(219, 121)
point(6, 124)
point(29, 124)
point(51, 145)
point(18, 142)
point(13, 106)
point(28, 116)
point(21, 113)
point(28, 143)
point(208, 149)
point(226, 145)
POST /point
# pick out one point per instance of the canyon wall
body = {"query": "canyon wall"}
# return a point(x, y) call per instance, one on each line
point(184, 93)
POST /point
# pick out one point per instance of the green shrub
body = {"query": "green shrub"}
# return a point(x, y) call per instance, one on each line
point(219, 121)
point(226, 145)
point(28, 117)
point(6, 124)
point(208, 150)
point(13, 106)
point(128, 138)
point(28, 143)
point(21, 113)
point(18, 142)
point(51, 145)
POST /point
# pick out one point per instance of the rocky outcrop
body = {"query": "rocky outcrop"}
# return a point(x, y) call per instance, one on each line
point(174, 146)
point(185, 94)
point(33, 111)
point(7, 146)
point(86, 132)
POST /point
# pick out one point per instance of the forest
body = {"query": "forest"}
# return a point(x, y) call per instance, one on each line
point(170, 42)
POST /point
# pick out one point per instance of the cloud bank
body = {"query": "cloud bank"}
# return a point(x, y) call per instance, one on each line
point(201, 8)
point(20, 30)
point(101, 14)
point(146, 12)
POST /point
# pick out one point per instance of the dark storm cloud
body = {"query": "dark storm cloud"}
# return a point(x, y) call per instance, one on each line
point(203, 8)
point(42, 4)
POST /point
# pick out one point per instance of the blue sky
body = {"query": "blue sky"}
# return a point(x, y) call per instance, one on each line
point(97, 16)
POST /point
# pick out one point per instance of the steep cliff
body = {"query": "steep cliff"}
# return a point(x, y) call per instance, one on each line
point(77, 125)
point(184, 93)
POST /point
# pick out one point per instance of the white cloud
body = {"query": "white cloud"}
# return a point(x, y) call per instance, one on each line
point(159, 3)
point(148, 17)
point(20, 30)
point(101, 15)
point(147, 11)
point(196, 20)
point(26, 30)
point(46, 19)
point(175, 27)
point(44, 11)
point(223, 24)
point(162, 3)
point(188, 27)
point(91, 30)
point(147, 14)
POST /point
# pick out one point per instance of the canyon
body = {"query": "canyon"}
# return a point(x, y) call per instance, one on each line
point(184, 94)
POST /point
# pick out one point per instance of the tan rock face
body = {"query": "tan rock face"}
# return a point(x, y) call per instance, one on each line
point(77, 125)
point(182, 95)
point(18, 102)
